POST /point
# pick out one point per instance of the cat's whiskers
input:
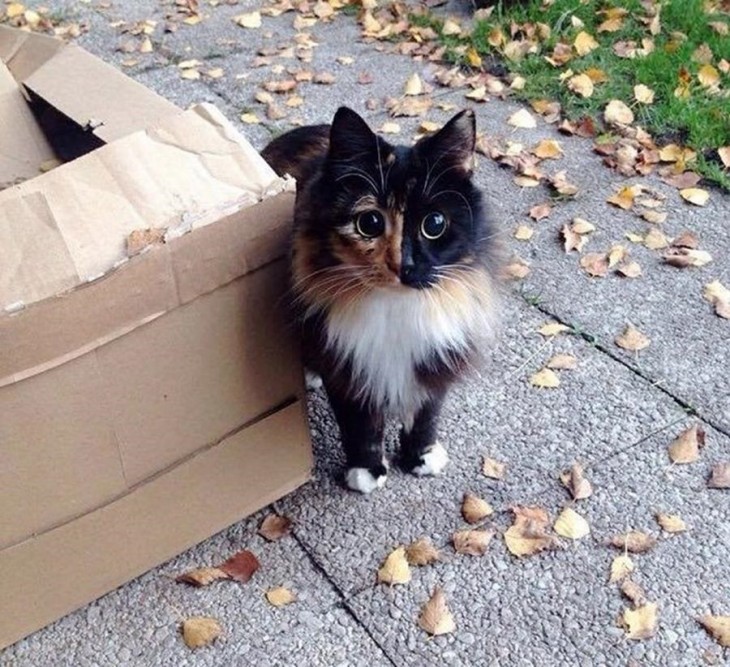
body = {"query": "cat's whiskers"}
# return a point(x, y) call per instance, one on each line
point(354, 172)
point(326, 270)
point(458, 194)
point(380, 166)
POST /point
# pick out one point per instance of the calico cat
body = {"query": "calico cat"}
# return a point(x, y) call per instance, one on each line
point(393, 279)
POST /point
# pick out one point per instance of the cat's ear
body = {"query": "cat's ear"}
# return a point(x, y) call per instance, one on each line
point(453, 145)
point(350, 137)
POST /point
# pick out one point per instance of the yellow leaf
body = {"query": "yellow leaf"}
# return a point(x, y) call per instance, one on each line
point(696, 196)
point(390, 128)
point(248, 20)
point(719, 296)
point(280, 597)
point(190, 74)
point(724, 154)
point(200, 630)
point(671, 523)
point(718, 627)
point(708, 76)
point(528, 534)
point(545, 379)
point(643, 94)
point(474, 509)
point(215, 73)
point(548, 149)
point(146, 46)
point(617, 113)
point(611, 25)
point(523, 119)
point(624, 198)
point(641, 623)
point(582, 226)
point(655, 239)
point(584, 43)
point(422, 552)
point(634, 541)
point(493, 469)
point(685, 448)
point(395, 569)
point(478, 94)
point(581, 84)
point(14, 9)
point(250, 118)
point(473, 57)
point(414, 85)
point(572, 525)
point(524, 233)
point(516, 270)
point(596, 75)
point(450, 27)
point(552, 329)
point(496, 37)
point(435, 617)
point(621, 567)
point(632, 339)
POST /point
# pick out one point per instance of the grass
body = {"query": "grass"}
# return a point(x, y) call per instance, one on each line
point(701, 120)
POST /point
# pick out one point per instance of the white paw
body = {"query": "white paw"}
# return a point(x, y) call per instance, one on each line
point(362, 480)
point(434, 461)
point(312, 380)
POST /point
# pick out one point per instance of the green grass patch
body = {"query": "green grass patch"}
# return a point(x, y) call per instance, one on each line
point(701, 120)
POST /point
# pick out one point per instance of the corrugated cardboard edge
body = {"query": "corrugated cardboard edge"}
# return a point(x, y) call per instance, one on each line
point(50, 575)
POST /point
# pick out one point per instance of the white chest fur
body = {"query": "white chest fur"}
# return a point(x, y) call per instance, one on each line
point(387, 334)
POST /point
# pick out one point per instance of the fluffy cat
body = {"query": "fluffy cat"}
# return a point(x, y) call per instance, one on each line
point(393, 279)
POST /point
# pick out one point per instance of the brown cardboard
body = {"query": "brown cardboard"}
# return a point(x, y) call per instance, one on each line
point(149, 401)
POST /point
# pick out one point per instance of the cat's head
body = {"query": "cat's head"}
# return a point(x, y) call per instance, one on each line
point(392, 217)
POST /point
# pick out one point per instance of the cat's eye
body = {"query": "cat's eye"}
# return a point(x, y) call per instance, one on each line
point(434, 225)
point(370, 224)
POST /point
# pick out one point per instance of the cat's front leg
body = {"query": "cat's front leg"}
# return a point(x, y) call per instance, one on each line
point(420, 451)
point(361, 429)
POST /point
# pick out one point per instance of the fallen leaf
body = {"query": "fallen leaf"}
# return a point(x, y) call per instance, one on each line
point(632, 339)
point(581, 84)
point(719, 296)
point(562, 185)
point(629, 270)
point(548, 149)
point(634, 238)
point(264, 97)
point(215, 73)
point(655, 239)
point(523, 119)
point(624, 198)
point(616, 254)
point(685, 448)
point(708, 76)
point(610, 25)
point(584, 43)
point(633, 592)
point(516, 270)
point(720, 477)
point(528, 534)
point(621, 567)
point(200, 631)
point(395, 569)
point(540, 211)
point(435, 617)
point(190, 74)
point(281, 86)
point(274, 527)
point(655, 217)
point(390, 128)
point(643, 94)
point(672, 523)
point(724, 154)
point(414, 85)
point(493, 469)
point(594, 264)
point(545, 379)
point(250, 118)
point(573, 480)
point(474, 509)
point(686, 239)
point(472, 542)
point(684, 257)
point(478, 94)
point(248, 20)
point(572, 240)
point(524, 233)
point(634, 542)
point(581, 226)
point(202, 576)
point(473, 57)
point(280, 596)
point(526, 181)
point(552, 329)
point(641, 623)
point(450, 27)
point(241, 566)
point(572, 525)
point(421, 552)
point(696, 196)
point(617, 113)
point(718, 627)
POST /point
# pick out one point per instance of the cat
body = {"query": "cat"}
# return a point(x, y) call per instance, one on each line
point(393, 277)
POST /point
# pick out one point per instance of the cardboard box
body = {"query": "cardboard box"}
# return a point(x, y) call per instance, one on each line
point(146, 401)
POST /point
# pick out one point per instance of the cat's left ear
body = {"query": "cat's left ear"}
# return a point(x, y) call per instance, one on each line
point(453, 145)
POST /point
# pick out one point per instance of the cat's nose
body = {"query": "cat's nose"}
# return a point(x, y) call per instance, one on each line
point(408, 273)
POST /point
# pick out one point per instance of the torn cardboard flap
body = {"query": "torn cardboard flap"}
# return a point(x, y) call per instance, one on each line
point(183, 174)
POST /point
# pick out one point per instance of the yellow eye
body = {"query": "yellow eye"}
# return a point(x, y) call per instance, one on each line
point(434, 225)
point(370, 224)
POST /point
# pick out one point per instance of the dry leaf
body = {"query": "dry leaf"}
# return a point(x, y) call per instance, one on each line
point(540, 211)
point(241, 566)
point(718, 627)
point(634, 541)
point(562, 185)
point(708, 76)
point(478, 94)
point(633, 592)
point(595, 264)
point(643, 94)
point(719, 296)
point(616, 254)
point(528, 534)
point(274, 527)
point(686, 447)
point(720, 477)
point(450, 27)
point(562, 362)
point(584, 43)
point(617, 113)
point(573, 480)
point(632, 339)
point(655, 217)
point(624, 198)
point(621, 567)
point(421, 552)
point(581, 84)
point(655, 239)
point(435, 617)
point(190, 74)
point(641, 623)
point(200, 631)
point(493, 469)
point(472, 542)
point(686, 239)
point(474, 509)
point(250, 118)
point(685, 257)
point(672, 523)
point(572, 525)
point(545, 379)
point(516, 270)
point(581, 226)
point(202, 576)
point(248, 20)
point(280, 596)
point(414, 85)
point(548, 149)
point(523, 119)
point(395, 569)
point(696, 196)
point(629, 270)
point(552, 329)
point(524, 233)
point(724, 154)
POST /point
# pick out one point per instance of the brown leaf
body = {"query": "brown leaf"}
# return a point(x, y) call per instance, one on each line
point(621, 567)
point(572, 240)
point(718, 627)
point(474, 509)
point(324, 78)
point(686, 257)
point(641, 623)
point(422, 552)
point(634, 541)
point(200, 631)
point(624, 198)
point(202, 576)
point(140, 239)
point(395, 569)
point(629, 270)
point(516, 270)
point(547, 149)
point(562, 362)
point(595, 264)
point(672, 523)
point(687, 179)
point(573, 480)
point(493, 469)
point(528, 534)
point(633, 592)
point(472, 542)
point(686, 239)
point(280, 86)
point(720, 477)
point(241, 566)
point(562, 185)
point(540, 211)
point(274, 527)
point(632, 339)
point(435, 617)
point(686, 447)
point(280, 597)
point(572, 525)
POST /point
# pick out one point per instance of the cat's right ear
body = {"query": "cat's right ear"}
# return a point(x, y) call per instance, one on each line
point(350, 137)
